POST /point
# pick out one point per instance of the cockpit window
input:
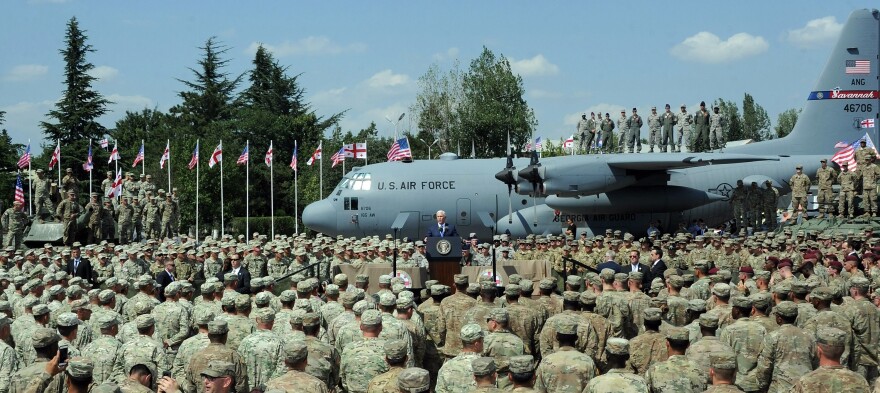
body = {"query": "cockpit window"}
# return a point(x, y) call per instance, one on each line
point(358, 182)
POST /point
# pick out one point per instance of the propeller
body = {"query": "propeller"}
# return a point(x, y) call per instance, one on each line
point(532, 173)
point(508, 176)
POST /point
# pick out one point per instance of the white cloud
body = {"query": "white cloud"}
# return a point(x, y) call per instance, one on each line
point(387, 78)
point(23, 119)
point(104, 73)
point(816, 32)
point(327, 96)
point(450, 54)
point(26, 72)
point(312, 45)
point(536, 66)
point(705, 47)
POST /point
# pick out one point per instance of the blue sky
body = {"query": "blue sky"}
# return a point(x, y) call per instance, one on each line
point(366, 57)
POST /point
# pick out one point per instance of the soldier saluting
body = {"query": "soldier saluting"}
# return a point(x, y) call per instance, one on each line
point(68, 211)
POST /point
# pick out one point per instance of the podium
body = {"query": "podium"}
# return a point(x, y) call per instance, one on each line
point(444, 256)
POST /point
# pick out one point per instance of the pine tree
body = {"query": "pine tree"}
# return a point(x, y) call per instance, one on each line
point(211, 96)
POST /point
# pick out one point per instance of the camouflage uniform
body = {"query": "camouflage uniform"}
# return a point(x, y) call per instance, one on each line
point(139, 347)
point(699, 353)
point(565, 370)
point(124, 222)
point(8, 365)
point(654, 131)
point(67, 211)
point(296, 381)
point(717, 122)
point(14, 221)
point(845, 199)
point(454, 308)
point(769, 198)
point(617, 380)
point(214, 352)
point(262, 355)
point(103, 353)
point(825, 195)
point(584, 135)
point(676, 374)
point(42, 198)
point(239, 328)
point(647, 349)
point(738, 201)
point(866, 328)
point(501, 344)
point(787, 354)
point(800, 185)
point(457, 375)
point(187, 350)
point(385, 382)
point(870, 174)
point(323, 361)
point(746, 337)
point(684, 121)
point(360, 362)
point(835, 379)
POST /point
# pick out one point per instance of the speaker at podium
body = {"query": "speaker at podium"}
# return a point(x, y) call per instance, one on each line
point(444, 256)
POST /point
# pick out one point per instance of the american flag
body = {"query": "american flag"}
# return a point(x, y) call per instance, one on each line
point(858, 66)
point(338, 157)
point(269, 153)
point(89, 164)
point(166, 155)
point(114, 154)
point(19, 190)
point(538, 143)
point(244, 157)
point(25, 159)
point(356, 150)
point(847, 152)
point(216, 156)
point(293, 158)
point(399, 150)
point(316, 155)
point(569, 143)
point(104, 143)
point(116, 189)
point(56, 156)
point(139, 158)
point(527, 146)
point(194, 161)
point(867, 123)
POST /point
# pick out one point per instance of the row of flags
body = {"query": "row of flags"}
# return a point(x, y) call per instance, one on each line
point(399, 150)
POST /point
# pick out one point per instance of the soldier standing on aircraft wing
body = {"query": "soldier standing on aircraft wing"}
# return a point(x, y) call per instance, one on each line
point(769, 199)
point(701, 129)
point(594, 129)
point(847, 181)
point(654, 130)
point(738, 201)
point(864, 153)
point(800, 185)
point(683, 120)
point(607, 128)
point(717, 122)
point(623, 128)
point(667, 122)
point(635, 131)
point(583, 128)
point(869, 173)
point(755, 209)
point(825, 197)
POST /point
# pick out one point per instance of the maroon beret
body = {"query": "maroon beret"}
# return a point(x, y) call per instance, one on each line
point(747, 269)
point(836, 265)
point(784, 263)
point(775, 260)
point(713, 270)
point(852, 258)
point(831, 257)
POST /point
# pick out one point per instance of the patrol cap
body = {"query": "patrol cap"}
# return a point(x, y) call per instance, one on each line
point(573, 280)
point(587, 298)
point(203, 319)
point(617, 346)
point(265, 315)
point(859, 282)
point(652, 314)
point(722, 361)
point(741, 302)
point(145, 321)
point(787, 309)
point(570, 296)
point(387, 299)
point(761, 300)
point(295, 351)
point(414, 380)
point(340, 279)
point(395, 349)
point(290, 296)
point(371, 318)
point(311, 319)
point(822, 294)
point(262, 298)
point(218, 327)
point(709, 320)
point(566, 326)
point(39, 309)
point(242, 302)
point(831, 336)
point(67, 319)
point(80, 369)
point(218, 368)
point(678, 334)
point(44, 337)
point(471, 333)
point(499, 315)
point(362, 278)
point(404, 302)
point(483, 366)
point(361, 306)
point(461, 279)
point(437, 290)
point(331, 289)
point(547, 283)
point(473, 288)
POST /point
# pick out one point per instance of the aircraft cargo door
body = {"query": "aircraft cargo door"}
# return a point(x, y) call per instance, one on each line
point(463, 212)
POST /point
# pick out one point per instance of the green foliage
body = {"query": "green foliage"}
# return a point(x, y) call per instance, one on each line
point(733, 131)
point(756, 123)
point(437, 105)
point(786, 121)
point(211, 96)
point(9, 154)
point(284, 225)
point(75, 115)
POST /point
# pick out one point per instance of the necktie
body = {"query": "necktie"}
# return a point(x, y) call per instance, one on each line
point(172, 277)
point(75, 265)
point(442, 229)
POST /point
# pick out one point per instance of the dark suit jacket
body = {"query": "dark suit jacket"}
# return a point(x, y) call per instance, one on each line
point(646, 274)
point(658, 269)
point(163, 278)
point(244, 281)
point(450, 231)
point(609, 265)
point(84, 270)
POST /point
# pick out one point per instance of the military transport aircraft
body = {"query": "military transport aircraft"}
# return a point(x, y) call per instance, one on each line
point(620, 191)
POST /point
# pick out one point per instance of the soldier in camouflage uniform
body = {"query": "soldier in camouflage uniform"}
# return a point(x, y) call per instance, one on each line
point(8, 362)
point(607, 129)
point(738, 201)
point(172, 322)
point(124, 220)
point(147, 187)
point(684, 121)
point(821, 298)
point(649, 347)
point(454, 308)
point(709, 344)
point(654, 130)
point(831, 376)
point(104, 350)
point(800, 186)
point(323, 358)
point(717, 123)
point(261, 350)
point(191, 346)
point(623, 128)
point(677, 373)
point(825, 197)
point(566, 369)
point(456, 374)
point(142, 346)
point(846, 197)
point(14, 221)
point(500, 343)
point(787, 353)
point(746, 337)
point(869, 174)
point(69, 183)
point(169, 213)
point(295, 358)
point(866, 327)
point(756, 205)
point(485, 376)
point(138, 220)
point(67, 212)
point(34, 378)
point(364, 359)
point(583, 132)
point(722, 371)
point(395, 356)
point(216, 351)
point(94, 211)
point(619, 378)
point(42, 188)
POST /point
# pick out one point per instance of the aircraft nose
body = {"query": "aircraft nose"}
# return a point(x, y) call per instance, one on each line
point(320, 216)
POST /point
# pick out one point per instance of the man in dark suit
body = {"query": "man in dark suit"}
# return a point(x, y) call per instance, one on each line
point(635, 266)
point(244, 276)
point(80, 267)
point(165, 277)
point(442, 229)
point(609, 263)
point(658, 266)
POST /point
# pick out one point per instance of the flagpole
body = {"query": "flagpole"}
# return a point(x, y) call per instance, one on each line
point(222, 220)
point(144, 163)
point(247, 194)
point(90, 171)
point(59, 166)
point(197, 194)
point(295, 192)
point(321, 172)
point(365, 153)
point(30, 190)
point(168, 145)
point(116, 166)
point(272, 189)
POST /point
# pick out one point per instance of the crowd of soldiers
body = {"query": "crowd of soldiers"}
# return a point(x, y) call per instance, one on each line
point(674, 312)
point(668, 131)
point(143, 211)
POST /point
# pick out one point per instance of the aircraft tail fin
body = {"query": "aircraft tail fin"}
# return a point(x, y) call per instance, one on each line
point(845, 102)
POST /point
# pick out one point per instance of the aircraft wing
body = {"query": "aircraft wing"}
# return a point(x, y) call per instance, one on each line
point(650, 162)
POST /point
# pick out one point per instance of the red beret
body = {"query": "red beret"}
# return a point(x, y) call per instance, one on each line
point(810, 255)
point(775, 260)
point(831, 257)
point(713, 270)
point(784, 263)
point(836, 265)
point(870, 256)
point(747, 269)
point(852, 258)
